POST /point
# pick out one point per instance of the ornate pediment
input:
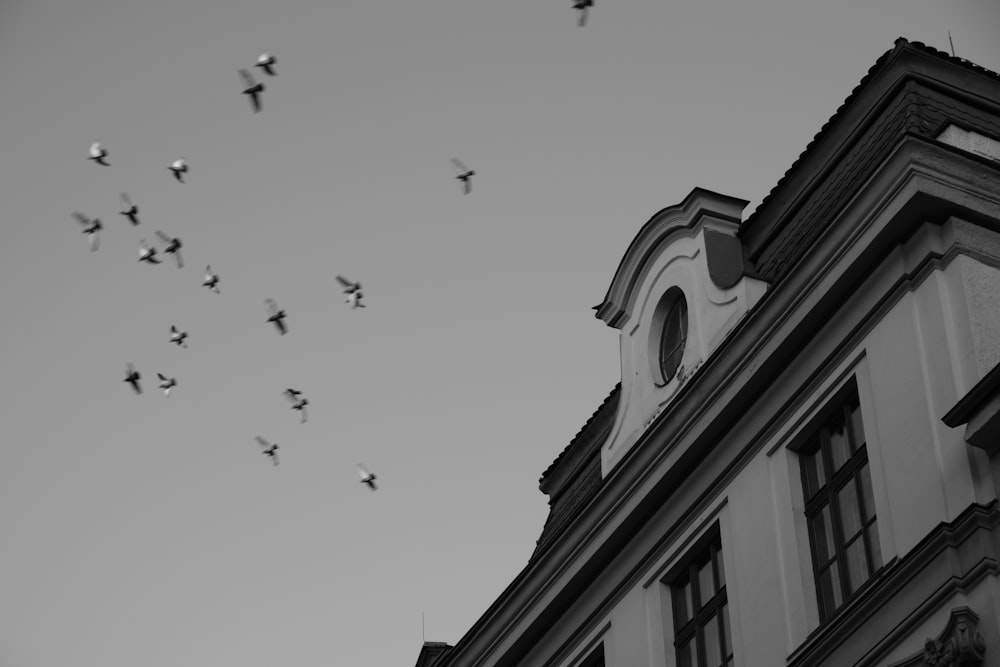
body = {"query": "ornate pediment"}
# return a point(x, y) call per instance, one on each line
point(681, 287)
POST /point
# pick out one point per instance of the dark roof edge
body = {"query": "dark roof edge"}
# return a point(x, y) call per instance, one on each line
point(901, 44)
point(588, 429)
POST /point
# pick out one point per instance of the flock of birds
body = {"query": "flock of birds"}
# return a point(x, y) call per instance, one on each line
point(172, 246)
point(179, 168)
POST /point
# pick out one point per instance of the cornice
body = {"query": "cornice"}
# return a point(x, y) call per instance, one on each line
point(984, 390)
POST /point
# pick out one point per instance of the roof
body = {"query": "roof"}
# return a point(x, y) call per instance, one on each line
point(432, 652)
point(901, 44)
point(611, 398)
point(575, 476)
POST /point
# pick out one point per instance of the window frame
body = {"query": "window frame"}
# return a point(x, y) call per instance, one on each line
point(685, 573)
point(816, 438)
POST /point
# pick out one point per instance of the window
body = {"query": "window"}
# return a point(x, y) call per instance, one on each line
point(702, 636)
point(595, 659)
point(840, 509)
point(673, 335)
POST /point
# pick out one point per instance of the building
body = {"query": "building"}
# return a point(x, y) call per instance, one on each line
point(800, 465)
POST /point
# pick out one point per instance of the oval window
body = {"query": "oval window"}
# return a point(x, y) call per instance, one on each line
point(674, 333)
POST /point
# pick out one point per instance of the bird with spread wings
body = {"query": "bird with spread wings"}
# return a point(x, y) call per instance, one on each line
point(269, 449)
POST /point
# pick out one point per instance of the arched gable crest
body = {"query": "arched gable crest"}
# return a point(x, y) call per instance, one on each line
point(686, 253)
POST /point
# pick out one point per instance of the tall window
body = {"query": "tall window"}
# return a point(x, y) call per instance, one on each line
point(840, 509)
point(702, 637)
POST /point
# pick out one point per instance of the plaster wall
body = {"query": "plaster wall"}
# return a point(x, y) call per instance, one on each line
point(630, 639)
point(755, 583)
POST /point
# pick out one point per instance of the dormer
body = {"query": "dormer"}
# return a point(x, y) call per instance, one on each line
point(680, 289)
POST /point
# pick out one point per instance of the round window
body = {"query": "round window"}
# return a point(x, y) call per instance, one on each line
point(674, 332)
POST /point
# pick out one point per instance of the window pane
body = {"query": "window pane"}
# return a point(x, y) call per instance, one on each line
point(850, 514)
point(727, 637)
point(722, 571)
point(815, 473)
point(874, 546)
point(831, 594)
point(823, 534)
point(865, 475)
point(687, 655)
point(706, 584)
point(857, 564)
point(713, 651)
point(681, 596)
point(857, 428)
point(674, 335)
point(671, 331)
point(839, 447)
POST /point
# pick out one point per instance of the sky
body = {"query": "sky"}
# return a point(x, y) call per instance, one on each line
point(147, 530)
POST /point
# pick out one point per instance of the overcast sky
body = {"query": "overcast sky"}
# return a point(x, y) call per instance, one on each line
point(145, 530)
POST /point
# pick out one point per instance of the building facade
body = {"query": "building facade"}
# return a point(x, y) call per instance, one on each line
point(801, 464)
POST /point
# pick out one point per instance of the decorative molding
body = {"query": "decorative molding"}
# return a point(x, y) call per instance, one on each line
point(960, 644)
point(681, 220)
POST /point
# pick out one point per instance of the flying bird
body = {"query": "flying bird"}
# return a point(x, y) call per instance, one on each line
point(353, 292)
point(177, 336)
point(129, 210)
point(582, 6)
point(179, 168)
point(298, 403)
point(266, 62)
point(211, 280)
point(252, 89)
point(464, 174)
point(174, 246)
point(269, 449)
point(166, 384)
point(146, 253)
point(90, 228)
point(132, 377)
point(97, 154)
point(348, 285)
point(367, 477)
point(276, 315)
